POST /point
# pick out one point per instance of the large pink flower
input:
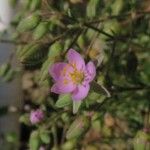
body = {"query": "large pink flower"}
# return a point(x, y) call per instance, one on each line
point(73, 77)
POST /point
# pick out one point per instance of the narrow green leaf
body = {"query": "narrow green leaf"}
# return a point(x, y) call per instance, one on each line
point(76, 106)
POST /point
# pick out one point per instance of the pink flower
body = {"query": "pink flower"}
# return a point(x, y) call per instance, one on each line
point(73, 77)
point(42, 148)
point(36, 116)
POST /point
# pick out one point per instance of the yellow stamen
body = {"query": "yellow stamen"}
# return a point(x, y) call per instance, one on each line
point(76, 76)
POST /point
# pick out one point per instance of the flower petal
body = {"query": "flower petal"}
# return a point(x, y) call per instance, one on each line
point(90, 72)
point(75, 58)
point(56, 69)
point(61, 88)
point(80, 92)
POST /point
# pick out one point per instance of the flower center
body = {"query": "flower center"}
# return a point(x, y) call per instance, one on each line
point(76, 75)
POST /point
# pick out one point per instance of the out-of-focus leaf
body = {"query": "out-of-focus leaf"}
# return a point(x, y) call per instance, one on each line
point(112, 26)
point(33, 53)
point(76, 106)
point(4, 69)
point(40, 30)
point(92, 8)
point(63, 100)
point(69, 145)
point(78, 128)
point(24, 119)
point(34, 141)
point(9, 75)
point(35, 4)
point(12, 137)
point(141, 141)
point(28, 23)
point(45, 68)
point(45, 137)
point(117, 6)
point(55, 50)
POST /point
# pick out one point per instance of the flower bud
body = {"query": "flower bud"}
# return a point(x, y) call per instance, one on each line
point(28, 23)
point(40, 30)
point(36, 116)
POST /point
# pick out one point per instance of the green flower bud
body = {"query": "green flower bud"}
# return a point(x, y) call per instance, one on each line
point(44, 69)
point(33, 53)
point(55, 50)
point(40, 30)
point(28, 23)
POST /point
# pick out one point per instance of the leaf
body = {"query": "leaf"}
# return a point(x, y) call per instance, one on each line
point(44, 70)
point(100, 89)
point(63, 100)
point(45, 137)
point(78, 127)
point(117, 7)
point(35, 4)
point(28, 23)
point(40, 30)
point(24, 119)
point(76, 106)
point(34, 141)
point(55, 50)
point(4, 68)
point(141, 141)
point(92, 8)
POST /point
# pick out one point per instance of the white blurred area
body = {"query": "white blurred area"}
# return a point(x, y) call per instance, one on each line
point(6, 13)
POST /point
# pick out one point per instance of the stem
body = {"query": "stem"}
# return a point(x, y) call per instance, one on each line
point(54, 132)
point(125, 89)
point(98, 30)
point(12, 41)
point(117, 17)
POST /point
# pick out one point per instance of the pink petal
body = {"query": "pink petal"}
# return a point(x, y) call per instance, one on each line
point(75, 57)
point(61, 88)
point(90, 72)
point(80, 92)
point(56, 69)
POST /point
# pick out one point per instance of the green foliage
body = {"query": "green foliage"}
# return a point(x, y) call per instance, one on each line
point(34, 141)
point(113, 34)
point(28, 23)
point(40, 30)
point(78, 128)
point(63, 100)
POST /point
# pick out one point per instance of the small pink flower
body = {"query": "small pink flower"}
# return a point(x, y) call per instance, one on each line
point(42, 148)
point(36, 116)
point(73, 77)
